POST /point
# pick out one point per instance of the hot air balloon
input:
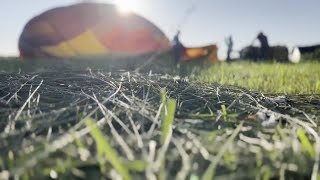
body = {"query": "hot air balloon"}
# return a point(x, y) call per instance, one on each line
point(89, 29)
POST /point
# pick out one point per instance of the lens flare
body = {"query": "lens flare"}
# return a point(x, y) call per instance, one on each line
point(126, 6)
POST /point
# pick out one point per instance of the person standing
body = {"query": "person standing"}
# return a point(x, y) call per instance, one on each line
point(264, 45)
point(229, 43)
point(177, 47)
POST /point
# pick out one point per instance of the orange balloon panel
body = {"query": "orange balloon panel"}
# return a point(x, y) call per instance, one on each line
point(89, 29)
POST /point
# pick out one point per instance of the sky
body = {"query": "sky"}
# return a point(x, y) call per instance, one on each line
point(285, 22)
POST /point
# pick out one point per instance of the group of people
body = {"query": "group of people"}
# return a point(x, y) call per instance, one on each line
point(263, 51)
point(261, 37)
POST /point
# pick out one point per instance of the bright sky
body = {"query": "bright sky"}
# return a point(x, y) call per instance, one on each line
point(286, 22)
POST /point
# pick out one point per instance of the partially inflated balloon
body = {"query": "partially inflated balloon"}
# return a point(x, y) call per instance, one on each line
point(87, 29)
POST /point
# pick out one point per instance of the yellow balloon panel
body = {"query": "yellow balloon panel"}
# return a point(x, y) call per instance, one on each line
point(60, 50)
point(84, 44)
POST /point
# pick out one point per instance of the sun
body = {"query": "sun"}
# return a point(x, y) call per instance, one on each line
point(126, 6)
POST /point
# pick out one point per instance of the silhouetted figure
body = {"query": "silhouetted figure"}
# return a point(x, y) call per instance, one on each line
point(229, 43)
point(177, 47)
point(264, 45)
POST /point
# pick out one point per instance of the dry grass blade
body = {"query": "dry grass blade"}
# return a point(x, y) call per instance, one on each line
point(22, 85)
point(27, 101)
point(186, 161)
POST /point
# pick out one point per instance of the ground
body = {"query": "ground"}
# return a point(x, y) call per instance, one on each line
point(85, 120)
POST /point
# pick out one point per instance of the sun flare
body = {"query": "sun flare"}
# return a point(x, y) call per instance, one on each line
point(126, 6)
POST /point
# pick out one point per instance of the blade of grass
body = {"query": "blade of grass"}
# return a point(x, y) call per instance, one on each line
point(266, 174)
point(306, 144)
point(224, 112)
point(10, 160)
point(166, 127)
point(137, 165)
point(163, 95)
point(78, 141)
point(168, 119)
point(163, 101)
point(207, 115)
point(103, 146)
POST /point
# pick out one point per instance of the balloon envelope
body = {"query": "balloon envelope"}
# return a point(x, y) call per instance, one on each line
point(89, 29)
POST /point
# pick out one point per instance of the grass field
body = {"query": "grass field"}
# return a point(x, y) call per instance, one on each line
point(87, 119)
point(303, 78)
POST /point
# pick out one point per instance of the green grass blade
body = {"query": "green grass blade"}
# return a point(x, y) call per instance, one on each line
point(25, 177)
point(207, 115)
point(78, 141)
point(103, 146)
point(137, 165)
point(10, 160)
point(224, 112)
point(266, 174)
point(306, 144)
point(163, 101)
point(168, 119)
point(163, 95)
point(166, 128)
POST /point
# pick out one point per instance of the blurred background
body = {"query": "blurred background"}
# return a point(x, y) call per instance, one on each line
point(201, 22)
